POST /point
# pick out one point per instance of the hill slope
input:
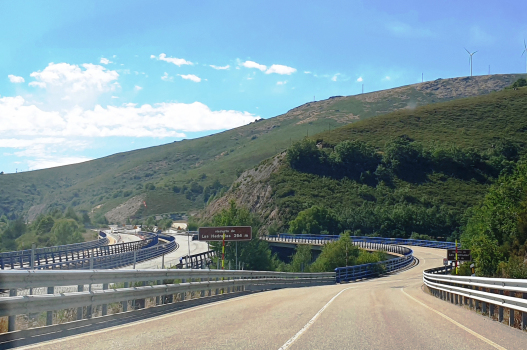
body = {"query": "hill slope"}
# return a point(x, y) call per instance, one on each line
point(182, 176)
point(429, 165)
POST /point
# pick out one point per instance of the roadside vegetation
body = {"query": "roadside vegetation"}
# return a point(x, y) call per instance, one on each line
point(54, 228)
point(256, 254)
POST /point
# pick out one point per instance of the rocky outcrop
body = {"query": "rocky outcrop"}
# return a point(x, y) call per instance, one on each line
point(125, 210)
point(251, 190)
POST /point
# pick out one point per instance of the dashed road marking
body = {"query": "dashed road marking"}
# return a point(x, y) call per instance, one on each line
point(311, 321)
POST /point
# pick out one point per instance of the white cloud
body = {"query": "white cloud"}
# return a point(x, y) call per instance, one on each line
point(105, 61)
point(478, 36)
point(138, 88)
point(50, 162)
point(359, 79)
point(281, 82)
point(19, 118)
point(37, 84)
point(167, 77)
point(334, 78)
point(220, 67)
point(177, 61)
point(192, 77)
point(387, 78)
point(15, 79)
point(72, 77)
point(115, 96)
point(405, 30)
point(307, 72)
point(280, 69)
point(252, 64)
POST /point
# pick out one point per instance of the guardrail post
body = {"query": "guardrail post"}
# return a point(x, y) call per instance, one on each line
point(80, 288)
point(500, 310)
point(125, 302)
point(33, 256)
point(49, 314)
point(484, 308)
point(524, 315)
point(11, 320)
point(159, 300)
point(491, 310)
point(104, 306)
point(511, 317)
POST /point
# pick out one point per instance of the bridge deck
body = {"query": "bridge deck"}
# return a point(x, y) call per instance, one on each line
point(387, 313)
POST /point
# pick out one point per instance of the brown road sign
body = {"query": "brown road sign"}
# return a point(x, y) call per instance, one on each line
point(462, 254)
point(232, 233)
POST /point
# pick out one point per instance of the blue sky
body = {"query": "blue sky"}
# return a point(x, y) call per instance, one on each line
point(81, 80)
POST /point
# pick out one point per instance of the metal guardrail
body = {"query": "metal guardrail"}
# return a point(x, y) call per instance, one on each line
point(117, 287)
point(196, 261)
point(353, 273)
point(22, 258)
point(321, 239)
point(481, 293)
point(356, 272)
point(108, 258)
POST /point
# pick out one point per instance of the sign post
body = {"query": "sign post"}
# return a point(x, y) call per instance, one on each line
point(223, 253)
point(456, 256)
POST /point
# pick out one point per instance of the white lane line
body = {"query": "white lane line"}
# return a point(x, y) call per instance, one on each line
point(311, 321)
point(477, 335)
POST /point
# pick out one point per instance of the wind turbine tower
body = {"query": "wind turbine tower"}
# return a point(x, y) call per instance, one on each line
point(470, 59)
point(525, 51)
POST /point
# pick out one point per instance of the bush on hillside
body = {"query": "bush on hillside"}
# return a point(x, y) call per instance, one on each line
point(314, 220)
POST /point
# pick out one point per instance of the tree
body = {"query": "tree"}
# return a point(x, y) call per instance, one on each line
point(149, 224)
point(315, 220)
point(256, 253)
point(70, 214)
point(304, 155)
point(335, 254)
point(45, 225)
point(301, 259)
point(495, 230)
point(351, 158)
point(66, 231)
point(86, 219)
point(14, 229)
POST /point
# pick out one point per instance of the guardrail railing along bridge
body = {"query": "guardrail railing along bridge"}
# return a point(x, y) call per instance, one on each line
point(94, 294)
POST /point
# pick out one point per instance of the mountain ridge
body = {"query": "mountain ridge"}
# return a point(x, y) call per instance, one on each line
point(108, 182)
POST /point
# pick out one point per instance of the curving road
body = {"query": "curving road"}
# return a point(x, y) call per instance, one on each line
point(386, 313)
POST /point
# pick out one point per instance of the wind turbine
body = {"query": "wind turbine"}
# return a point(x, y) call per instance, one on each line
point(470, 59)
point(525, 50)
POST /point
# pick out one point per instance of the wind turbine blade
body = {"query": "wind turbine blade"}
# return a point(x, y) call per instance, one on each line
point(467, 50)
point(474, 52)
point(524, 44)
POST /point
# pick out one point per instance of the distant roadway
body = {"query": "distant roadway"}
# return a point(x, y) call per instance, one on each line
point(172, 258)
point(390, 312)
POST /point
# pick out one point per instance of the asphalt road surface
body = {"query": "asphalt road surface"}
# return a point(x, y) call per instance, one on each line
point(392, 312)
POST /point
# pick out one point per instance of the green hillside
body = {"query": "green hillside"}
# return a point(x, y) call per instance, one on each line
point(183, 176)
point(411, 172)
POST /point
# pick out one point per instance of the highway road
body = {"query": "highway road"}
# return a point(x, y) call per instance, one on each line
point(391, 312)
point(172, 258)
